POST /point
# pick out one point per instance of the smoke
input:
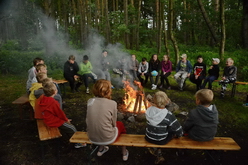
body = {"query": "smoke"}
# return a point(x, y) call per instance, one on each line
point(51, 37)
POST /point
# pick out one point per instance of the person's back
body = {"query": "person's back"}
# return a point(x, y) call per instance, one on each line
point(201, 123)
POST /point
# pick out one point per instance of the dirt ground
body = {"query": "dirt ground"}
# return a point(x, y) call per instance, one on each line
point(19, 142)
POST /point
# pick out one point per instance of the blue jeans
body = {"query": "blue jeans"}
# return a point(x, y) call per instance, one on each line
point(209, 80)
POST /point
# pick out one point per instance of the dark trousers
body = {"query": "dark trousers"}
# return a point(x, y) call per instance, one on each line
point(208, 80)
point(142, 80)
point(156, 79)
point(85, 78)
point(197, 81)
point(165, 77)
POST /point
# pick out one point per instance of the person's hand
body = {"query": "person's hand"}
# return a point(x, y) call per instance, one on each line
point(223, 78)
point(196, 77)
point(188, 74)
point(142, 74)
point(211, 67)
point(164, 73)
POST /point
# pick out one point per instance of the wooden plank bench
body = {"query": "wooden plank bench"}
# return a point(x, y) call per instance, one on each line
point(21, 101)
point(61, 84)
point(132, 140)
point(234, 85)
point(47, 133)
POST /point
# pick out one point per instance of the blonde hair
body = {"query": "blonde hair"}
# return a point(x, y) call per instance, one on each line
point(46, 80)
point(40, 77)
point(161, 99)
point(205, 96)
point(39, 66)
point(49, 89)
point(102, 88)
point(230, 60)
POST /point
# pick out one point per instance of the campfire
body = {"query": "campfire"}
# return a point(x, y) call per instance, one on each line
point(134, 100)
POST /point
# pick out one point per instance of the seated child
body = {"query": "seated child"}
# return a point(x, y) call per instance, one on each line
point(53, 116)
point(143, 70)
point(39, 92)
point(101, 119)
point(229, 75)
point(35, 86)
point(199, 73)
point(32, 73)
point(42, 68)
point(213, 74)
point(86, 72)
point(162, 125)
point(201, 123)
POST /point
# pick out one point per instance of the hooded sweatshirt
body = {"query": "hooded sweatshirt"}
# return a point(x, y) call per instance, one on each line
point(32, 98)
point(201, 123)
point(52, 114)
point(160, 122)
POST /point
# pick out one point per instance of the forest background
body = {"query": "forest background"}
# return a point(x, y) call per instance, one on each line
point(54, 29)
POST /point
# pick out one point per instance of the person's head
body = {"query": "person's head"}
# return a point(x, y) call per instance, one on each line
point(85, 59)
point(144, 60)
point(41, 76)
point(71, 59)
point(49, 89)
point(41, 68)
point(102, 88)
point(133, 57)
point(154, 57)
point(161, 99)
point(199, 59)
point(46, 80)
point(215, 61)
point(37, 61)
point(104, 53)
point(166, 58)
point(229, 62)
point(204, 97)
point(184, 57)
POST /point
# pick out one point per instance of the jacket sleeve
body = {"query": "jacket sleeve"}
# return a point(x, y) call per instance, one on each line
point(175, 126)
point(189, 123)
point(189, 66)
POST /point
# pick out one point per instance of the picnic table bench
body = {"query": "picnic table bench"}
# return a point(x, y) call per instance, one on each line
point(234, 86)
point(21, 101)
point(47, 133)
point(133, 140)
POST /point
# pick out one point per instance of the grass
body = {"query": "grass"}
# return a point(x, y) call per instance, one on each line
point(233, 116)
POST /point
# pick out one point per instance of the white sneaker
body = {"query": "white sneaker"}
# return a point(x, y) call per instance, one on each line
point(105, 149)
point(154, 87)
point(87, 90)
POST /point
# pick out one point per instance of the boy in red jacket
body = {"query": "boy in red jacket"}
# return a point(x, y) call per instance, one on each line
point(53, 116)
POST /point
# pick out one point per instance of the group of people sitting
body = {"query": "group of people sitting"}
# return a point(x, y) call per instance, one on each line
point(103, 128)
point(154, 69)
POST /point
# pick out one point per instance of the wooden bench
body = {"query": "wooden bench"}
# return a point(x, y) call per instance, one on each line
point(61, 84)
point(132, 140)
point(234, 85)
point(47, 133)
point(21, 101)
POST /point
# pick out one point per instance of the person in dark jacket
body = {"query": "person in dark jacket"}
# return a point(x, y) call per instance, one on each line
point(213, 74)
point(154, 65)
point(201, 123)
point(229, 76)
point(70, 73)
point(162, 125)
point(199, 73)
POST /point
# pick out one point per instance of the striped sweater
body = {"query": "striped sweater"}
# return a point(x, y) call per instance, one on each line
point(160, 122)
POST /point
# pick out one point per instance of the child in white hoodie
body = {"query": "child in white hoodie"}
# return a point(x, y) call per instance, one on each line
point(162, 125)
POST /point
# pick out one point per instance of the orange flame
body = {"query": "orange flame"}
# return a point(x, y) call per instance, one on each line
point(131, 96)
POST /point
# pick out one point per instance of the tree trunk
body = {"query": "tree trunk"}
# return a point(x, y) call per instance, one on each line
point(138, 25)
point(174, 42)
point(126, 23)
point(165, 37)
point(158, 26)
point(223, 29)
point(205, 16)
point(245, 25)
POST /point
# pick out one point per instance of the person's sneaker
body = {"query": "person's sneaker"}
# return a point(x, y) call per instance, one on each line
point(112, 87)
point(153, 151)
point(159, 160)
point(87, 90)
point(154, 87)
point(105, 149)
point(80, 145)
point(222, 95)
point(125, 157)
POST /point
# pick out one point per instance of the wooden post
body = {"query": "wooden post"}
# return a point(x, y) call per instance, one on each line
point(140, 103)
point(136, 104)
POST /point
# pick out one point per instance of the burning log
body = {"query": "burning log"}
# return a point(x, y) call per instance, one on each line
point(136, 103)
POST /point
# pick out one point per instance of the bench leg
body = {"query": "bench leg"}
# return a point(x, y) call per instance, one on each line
point(214, 155)
point(233, 90)
point(93, 150)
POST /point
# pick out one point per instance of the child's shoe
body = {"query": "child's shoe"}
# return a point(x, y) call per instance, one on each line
point(105, 149)
point(125, 157)
point(87, 90)
point(80, 145)
point(159, 159)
